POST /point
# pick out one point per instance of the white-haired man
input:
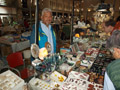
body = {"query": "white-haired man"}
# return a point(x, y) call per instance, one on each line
point(46, 32)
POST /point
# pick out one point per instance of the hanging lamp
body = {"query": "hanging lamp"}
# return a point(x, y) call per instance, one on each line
point(104, 8)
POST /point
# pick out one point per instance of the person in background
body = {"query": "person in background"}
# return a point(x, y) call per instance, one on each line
point(0, 22)
point(108, 26)
point(57, 25)
point(117, 25)
point(26, 24)
point(112, 74)
point(118, 19)
point(21, 21)
point(92, 23)
point(46, 33)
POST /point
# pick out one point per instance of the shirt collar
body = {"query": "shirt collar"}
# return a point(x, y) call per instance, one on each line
point(45, 25)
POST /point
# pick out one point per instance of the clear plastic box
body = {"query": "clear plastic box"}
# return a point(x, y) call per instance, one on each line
point(10, 81)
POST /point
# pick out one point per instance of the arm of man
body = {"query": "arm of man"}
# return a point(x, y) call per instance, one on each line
point(32, 36)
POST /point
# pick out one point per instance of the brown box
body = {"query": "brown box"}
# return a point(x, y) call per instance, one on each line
point(5, 50)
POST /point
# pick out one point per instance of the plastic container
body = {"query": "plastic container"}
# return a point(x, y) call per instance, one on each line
point(10, 81)
point(26, 54)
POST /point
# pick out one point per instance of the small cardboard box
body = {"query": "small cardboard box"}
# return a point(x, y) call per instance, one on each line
point(63, 51)
point(5, 50)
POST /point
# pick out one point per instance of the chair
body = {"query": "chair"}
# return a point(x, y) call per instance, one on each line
point(15, 60)
point(5, 68)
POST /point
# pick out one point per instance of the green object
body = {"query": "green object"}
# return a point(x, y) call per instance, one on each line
point(14, 22)
point(67, 30)
point(113, 71)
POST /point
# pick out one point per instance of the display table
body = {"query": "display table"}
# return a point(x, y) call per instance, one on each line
point(83, 64)
point(81, 67)
point(10, 44)
point(20, 46)
point(7, 29)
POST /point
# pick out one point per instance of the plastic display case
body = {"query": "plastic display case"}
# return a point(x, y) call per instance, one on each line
point(10, 81)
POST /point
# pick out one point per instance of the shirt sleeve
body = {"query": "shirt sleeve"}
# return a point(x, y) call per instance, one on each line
point(32, 36)
point(108, 85)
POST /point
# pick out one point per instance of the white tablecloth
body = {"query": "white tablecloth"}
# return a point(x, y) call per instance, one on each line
point(20, 46)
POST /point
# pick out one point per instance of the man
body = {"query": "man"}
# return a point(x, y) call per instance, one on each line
point(112, 74)
point(110, 25)
point(46, 33)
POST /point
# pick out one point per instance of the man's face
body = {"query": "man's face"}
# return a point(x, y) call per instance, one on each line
point(107, 29)
point(116, 53)
point(47, 18)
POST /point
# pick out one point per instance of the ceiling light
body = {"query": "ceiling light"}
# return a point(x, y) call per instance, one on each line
point(89, 9)
point(82, 9)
